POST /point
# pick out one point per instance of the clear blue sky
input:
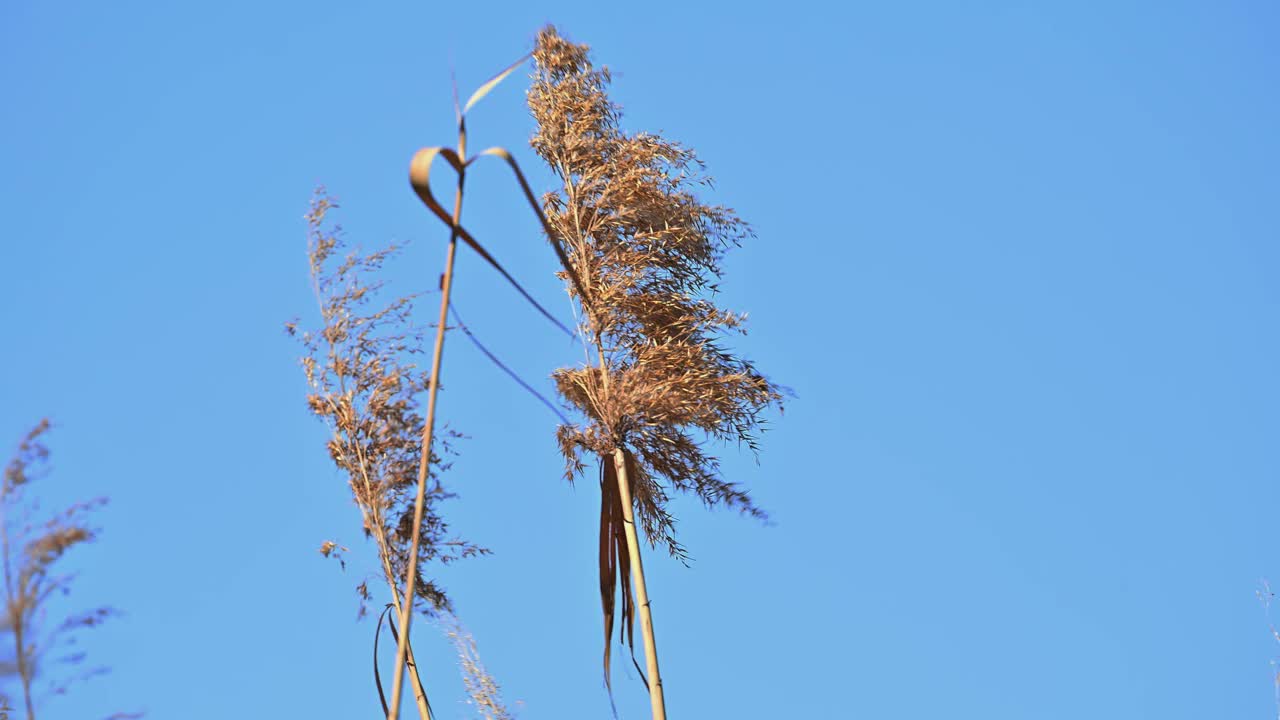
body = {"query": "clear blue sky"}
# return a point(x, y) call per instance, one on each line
point(1020, 266)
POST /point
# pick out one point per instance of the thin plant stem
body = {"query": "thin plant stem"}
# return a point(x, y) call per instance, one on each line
point(656, 698)
point(433, 385)
point(411, 663)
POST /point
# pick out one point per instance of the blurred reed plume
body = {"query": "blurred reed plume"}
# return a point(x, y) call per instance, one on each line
point(33, 544)
point(643, 257)
point(485, 693)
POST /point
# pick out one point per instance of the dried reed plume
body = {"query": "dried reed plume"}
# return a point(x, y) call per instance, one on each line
point(647, 254)
point(364, 384)
point(486, 694)
point(32, 548)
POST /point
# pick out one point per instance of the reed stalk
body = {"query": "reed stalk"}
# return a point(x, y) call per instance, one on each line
point(437, 355)
point(420, 180)
point(644, 255)
point(657, 700)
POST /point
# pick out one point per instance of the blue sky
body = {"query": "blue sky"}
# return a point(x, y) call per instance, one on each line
point(1018, 264)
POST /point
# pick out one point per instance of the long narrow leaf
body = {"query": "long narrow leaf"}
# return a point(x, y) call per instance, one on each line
point(377, 676)
point(503, 366)
point(556, 242)
point(419, 177)
point(493, 82)
point(615, 572)
point(608, 573)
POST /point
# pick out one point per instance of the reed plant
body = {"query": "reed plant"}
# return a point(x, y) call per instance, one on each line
point(46, 659)
point(362, 368)
point(643, 258)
